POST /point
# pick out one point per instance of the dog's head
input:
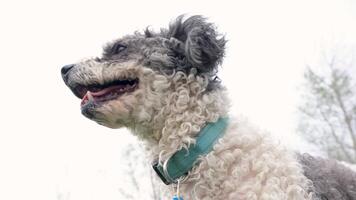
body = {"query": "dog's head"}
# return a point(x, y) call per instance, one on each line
point(129, 83)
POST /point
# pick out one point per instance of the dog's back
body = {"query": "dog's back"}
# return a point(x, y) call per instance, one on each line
point(331, 180)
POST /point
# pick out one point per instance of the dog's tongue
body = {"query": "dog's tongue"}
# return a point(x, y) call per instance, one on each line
point(90, 96)
point(87, 97)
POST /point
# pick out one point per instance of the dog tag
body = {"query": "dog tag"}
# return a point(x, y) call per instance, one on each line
point(175, 197)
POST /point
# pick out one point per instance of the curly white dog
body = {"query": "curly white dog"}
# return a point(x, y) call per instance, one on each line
point(163, 87)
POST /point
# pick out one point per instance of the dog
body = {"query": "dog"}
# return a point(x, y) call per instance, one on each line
point(163, 87)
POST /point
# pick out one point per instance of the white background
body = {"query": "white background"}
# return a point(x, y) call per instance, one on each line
point(48, 149)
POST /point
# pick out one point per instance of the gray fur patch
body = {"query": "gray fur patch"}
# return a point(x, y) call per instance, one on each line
point(186, 44)
point(203, 46)
point(331, 180)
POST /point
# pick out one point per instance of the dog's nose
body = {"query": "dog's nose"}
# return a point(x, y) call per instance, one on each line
point(65, 69)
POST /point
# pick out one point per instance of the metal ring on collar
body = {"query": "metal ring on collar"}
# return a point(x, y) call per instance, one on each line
point(165, 171)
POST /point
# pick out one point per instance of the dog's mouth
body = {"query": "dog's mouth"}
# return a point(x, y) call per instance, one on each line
point(97, 93)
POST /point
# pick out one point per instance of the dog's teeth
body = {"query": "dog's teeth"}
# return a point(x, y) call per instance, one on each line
point(90, 96)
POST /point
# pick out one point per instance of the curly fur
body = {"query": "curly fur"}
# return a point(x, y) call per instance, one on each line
point(178, 94)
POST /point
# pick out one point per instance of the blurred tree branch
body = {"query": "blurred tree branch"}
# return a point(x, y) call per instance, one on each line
point(328, 111)
point(140, 183)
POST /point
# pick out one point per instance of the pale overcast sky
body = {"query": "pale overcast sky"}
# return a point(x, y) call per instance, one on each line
point(47, 147)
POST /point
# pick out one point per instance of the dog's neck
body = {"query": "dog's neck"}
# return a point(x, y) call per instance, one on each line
point(177, 129)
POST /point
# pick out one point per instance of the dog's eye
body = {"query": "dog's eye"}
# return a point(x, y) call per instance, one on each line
point(118, 48)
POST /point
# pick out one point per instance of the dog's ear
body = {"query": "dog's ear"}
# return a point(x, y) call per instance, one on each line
point(203, 47)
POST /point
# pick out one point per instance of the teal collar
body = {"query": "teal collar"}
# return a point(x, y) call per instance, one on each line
point(183, 160)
